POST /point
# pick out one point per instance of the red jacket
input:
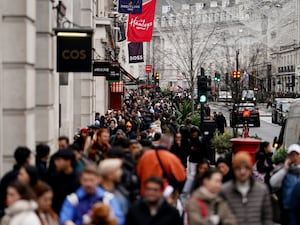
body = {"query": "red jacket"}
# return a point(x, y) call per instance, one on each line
point(149, 166)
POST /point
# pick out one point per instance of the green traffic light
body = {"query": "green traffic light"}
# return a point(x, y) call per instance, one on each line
point(203, 98)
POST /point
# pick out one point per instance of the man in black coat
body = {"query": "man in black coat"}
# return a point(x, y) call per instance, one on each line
point(65, 180)
point(221, 122)
point(153, 209)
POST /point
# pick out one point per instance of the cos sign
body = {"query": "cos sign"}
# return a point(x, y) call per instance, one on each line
point(74, 50)
point(74, 54)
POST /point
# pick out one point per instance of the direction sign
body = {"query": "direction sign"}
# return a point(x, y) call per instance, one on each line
point(148, 68)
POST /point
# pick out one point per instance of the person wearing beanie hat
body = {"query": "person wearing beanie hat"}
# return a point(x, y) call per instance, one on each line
point(110, 171)
point(244, 194)
point(129, 132)
point(241, 159)
point(224, 167)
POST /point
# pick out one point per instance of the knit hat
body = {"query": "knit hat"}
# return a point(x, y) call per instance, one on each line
point(222, 160)
point(241, 159)
point(84, 130)
point(128, 124)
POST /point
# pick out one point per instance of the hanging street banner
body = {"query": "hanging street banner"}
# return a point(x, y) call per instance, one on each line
point(74, 50)
point(140, 27)
point(130, 6)
point(101, 69)
point(121, 33)
point(135, 51)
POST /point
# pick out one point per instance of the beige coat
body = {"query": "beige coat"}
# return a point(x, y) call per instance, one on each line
point(212, 203)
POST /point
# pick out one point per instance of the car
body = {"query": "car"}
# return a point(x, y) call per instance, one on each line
point(225, 96)
point(236, 115)
point(248, 96)
point(280, 108)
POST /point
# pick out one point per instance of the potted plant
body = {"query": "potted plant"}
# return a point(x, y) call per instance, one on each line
point(279, 156)
point(221, 143)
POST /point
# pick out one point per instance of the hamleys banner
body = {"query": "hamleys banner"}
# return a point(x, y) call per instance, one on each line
point(140, 26)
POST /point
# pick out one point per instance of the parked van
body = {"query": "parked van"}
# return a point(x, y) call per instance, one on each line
point(290, 130)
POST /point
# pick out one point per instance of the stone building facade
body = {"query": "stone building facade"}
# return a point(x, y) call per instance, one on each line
point(35, 105)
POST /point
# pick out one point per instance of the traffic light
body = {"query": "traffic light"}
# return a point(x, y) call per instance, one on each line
point(202, 89)
point(236, 75)
point(157, 77)
point(217, 77)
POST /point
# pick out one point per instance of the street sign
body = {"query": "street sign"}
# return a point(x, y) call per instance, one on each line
point(148, 68)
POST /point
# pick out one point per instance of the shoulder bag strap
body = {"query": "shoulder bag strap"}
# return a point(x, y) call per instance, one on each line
point(165, 174)
point(203, 208)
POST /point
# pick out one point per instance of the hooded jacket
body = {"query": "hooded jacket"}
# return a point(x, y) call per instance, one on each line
point(214, 204)
point(21, 212)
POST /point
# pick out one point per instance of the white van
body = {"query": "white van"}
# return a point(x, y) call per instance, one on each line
point(290, 130)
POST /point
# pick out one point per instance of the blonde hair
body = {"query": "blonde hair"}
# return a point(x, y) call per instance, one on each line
point(108, 166)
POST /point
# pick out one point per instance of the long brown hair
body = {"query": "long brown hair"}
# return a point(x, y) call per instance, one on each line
point(40, 189)
point(23, 190)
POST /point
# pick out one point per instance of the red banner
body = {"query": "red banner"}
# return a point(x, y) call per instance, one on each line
point(140, 26)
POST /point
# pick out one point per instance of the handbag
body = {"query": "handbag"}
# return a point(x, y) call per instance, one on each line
point(171, 180)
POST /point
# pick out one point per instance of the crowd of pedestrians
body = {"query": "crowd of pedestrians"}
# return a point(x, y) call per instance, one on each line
point(138, 166)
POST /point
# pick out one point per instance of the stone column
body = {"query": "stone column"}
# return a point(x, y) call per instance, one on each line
point(84, 92)
point(1, 95)
point(19, 40)
point(46, 123)
point(298, 21)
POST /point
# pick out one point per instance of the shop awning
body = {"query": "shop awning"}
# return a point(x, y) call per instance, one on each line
point(128, 77)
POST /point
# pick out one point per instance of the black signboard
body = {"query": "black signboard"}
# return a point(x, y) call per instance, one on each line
point(101, 69)
point(114, 72)
point(74, 50)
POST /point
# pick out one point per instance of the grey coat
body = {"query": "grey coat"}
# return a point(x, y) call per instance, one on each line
point(256, 208)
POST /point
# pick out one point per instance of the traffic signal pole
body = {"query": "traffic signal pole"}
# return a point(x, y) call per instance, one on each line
point(202, 95)
point(236, 83)
point(235, 129)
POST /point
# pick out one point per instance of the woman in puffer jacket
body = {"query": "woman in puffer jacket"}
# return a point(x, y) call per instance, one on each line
point(205, 206)
point(21, 206)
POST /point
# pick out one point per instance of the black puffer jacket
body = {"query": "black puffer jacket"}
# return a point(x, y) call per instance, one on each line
point(264, 164)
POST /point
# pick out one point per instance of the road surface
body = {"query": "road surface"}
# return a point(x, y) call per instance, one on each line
point(267, 131)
